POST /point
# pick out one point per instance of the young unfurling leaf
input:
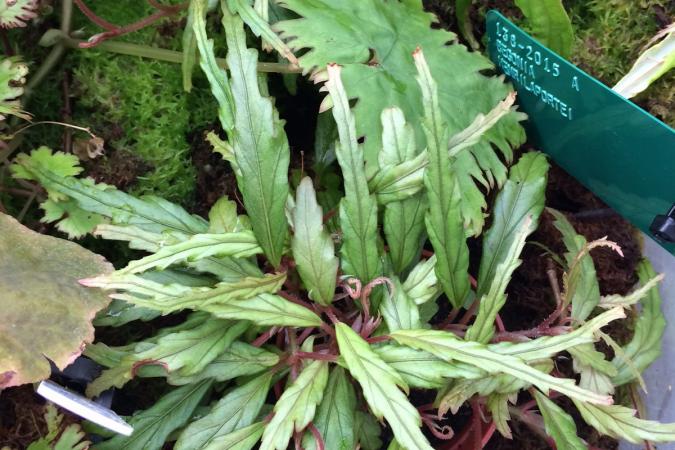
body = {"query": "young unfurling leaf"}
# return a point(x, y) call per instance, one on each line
point(358, 209)
point(444, 222)
point(313, 247)
point(380, 384)
point(296, 407)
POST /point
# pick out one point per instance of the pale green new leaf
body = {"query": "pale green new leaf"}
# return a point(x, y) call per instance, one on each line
point(448, 347)
point(498, 405)
point(422, 284)
point(239, 359)
point(403, 221)
point(12, 78)
point(17, 13)
point(236, 410)
point(462, 14)
point(611, 301)
point(260, 145)
point(380, 385)
point(335, 416)
point(595, 371)
point(199, 246)
point(176, 296)
point(266, 310)
point(398, 182)
point(423, 370)
point(358, 209)
point(645, 346)
point(189, 48)
point(443, 219)
point(296, 407)
point(559, 425)
point(312, 246)
point(399, 311)
point(153, 426)
point(583, 289)
point(549, 23)
point(620, 422)
point(652, 64)
point(223, 218)
point(243, 439)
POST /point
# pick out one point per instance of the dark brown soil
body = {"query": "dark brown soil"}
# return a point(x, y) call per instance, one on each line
point(117, 167)
point(21, 417)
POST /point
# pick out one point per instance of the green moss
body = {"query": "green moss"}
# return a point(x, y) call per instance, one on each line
point(143, 100)
point(611, 35)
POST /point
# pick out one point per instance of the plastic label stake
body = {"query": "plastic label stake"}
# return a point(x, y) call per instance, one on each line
point(617, 150)
point(84, 407)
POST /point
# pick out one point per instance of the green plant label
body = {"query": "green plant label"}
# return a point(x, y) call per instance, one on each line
point(617, 150)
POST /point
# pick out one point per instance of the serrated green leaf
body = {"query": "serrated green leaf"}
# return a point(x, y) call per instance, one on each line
point(583, 289)
point(189, 48)
point(358, 209)
point(521, 197)
point(448, 347)
point(611, 301)
point(12, 78)
point(313, 248)
point(398, 310)
point(645, 346)
point(443, 219)
point(549, 23)
point(620, 422)
point(559, 425)
point(185, 351)
point(223, 217)
point(239, 359)
point(59, 436)
point(17, 13)
point(70, 219)
point(260, 145)
point(243, 439)
point(335, 416)
point(153, 426)
point(516, 215)
point(296, 407)
point(380, 384)
point(199, 246)
point(373, 40)
point(462, 10)
point(236, 410)
point(172, 297)
point(595, 371)
point(266, 310)
point(421, 369)
point(498, 405)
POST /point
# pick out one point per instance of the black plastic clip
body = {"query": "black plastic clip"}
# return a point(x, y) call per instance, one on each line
point(663, 227)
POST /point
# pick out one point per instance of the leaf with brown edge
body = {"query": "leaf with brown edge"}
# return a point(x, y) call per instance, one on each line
point(46, 313)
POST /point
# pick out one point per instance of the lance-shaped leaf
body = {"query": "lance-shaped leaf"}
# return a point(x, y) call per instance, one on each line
point(492, 301)
point(443, 219)
point(421, 369)
point(620, 422)
point(380, 384)
point(220, 84)
point(199, 246)
point(611, 301)
point(645, 346)
point(186, 352)
point(260, 145)
point(312, 246)
point(422, 284)
point(358, 209)
point(498, 405)
point(243, 439)
point(239, 359)
point(448, 347)
point(521, 197)
point(335, 416)
point(45, 312)
point(368, 431)
point(266, 310)
point(236, 410)
point(176, 296)
point(403, 221)
point(398, 310)
point(153, 426)
point(559, 425)
point(55, 171)
point(296, 407)
point(261, 28)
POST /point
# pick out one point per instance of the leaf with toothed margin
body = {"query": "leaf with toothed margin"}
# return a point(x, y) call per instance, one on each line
point(559, 425)
point(46, 314)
